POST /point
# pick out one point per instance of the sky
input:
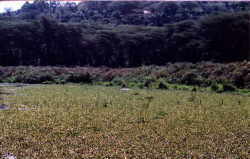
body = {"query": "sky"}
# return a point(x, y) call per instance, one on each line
point(15, 5)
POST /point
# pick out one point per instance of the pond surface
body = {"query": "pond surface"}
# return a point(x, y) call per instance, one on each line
point(11, 91)
point(4, 107)
point(8, 156)
point(13, 84)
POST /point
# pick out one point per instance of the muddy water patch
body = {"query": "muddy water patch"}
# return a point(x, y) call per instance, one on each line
point(23, 107)
point(9, 90)
point(8, 156)
point(4, 107)
point(13, 84)
point(20, 108)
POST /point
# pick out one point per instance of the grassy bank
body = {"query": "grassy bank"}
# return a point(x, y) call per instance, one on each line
point(83, 121)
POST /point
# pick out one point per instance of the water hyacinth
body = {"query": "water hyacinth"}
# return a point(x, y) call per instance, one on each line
point(85, 121)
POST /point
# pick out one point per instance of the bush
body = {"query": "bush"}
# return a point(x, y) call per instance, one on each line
point(162, 85)
point(49, 82)
point(59, 81)
point(118, 81)
point(214, 87)
point(149, 81)
point(225, 87)
point(11, 79)
point(79, 78)
point(132, 84)
point(191, 78)
point(140, 85)
point(228, 87)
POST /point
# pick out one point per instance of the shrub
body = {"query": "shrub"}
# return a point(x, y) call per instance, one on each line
point(49, 82)
point(214, 87)
point(190, 78)
point(60, 81)
point(80, 78)
point(162, 85)
point(194, 89)
point(228, 87)
point(225, 87)
point(149, 81)
point(132, 84)
point(140, 85)
point(217, 87)
point(118, 81)
point(11, 79)
point(124, 84)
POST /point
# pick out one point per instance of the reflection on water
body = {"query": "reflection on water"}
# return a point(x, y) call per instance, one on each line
point(4, 107)
point(8, 156)
point(13, 84)
point(9, 92)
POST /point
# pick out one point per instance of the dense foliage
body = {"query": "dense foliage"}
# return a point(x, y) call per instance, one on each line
point(30, 37)
point(133, 13)
point(204, 74)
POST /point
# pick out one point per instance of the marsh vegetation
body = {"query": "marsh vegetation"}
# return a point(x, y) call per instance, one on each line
point(83, 121)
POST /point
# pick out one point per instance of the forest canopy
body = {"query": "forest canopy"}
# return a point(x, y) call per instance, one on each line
point(124, 34)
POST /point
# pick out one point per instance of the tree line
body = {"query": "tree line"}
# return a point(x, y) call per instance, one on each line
point(131, 13)
point(220, 38)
